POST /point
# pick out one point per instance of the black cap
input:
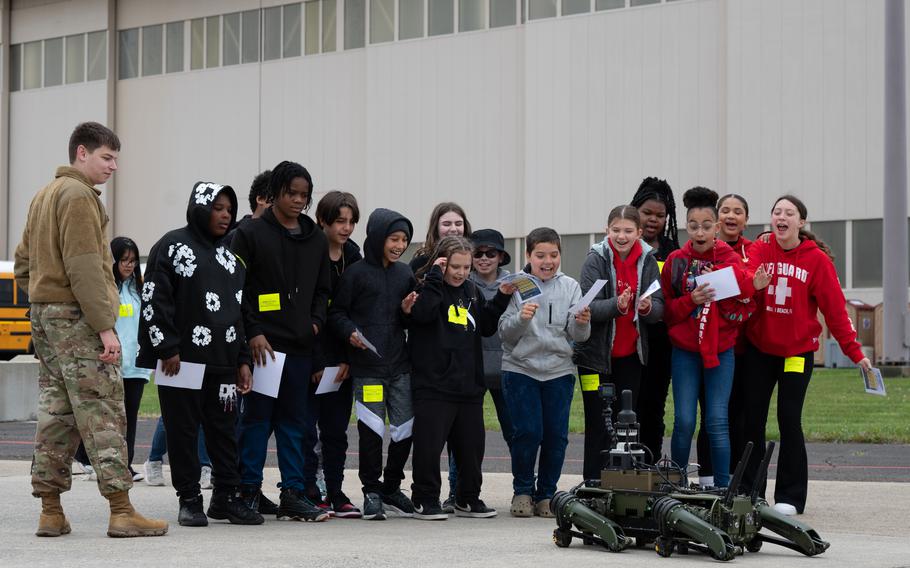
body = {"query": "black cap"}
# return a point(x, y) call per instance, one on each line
point(493, 239)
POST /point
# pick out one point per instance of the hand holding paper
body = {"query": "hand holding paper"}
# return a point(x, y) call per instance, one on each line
point(588, 297)
point(267, 378)
point(723, 282)
point(328, 383)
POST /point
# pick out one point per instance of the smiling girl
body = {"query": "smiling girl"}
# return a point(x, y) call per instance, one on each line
point(447, 220)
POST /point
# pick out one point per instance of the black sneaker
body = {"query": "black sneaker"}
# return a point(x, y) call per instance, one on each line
point(449, 504)
point(191, 514)
point(398, 503)
point(475, 508)
point(228, 504)
point(295, 507)
point(343, 508)
point(266, 506)
point(372, 507)
point(429, 511)
point(256, 500)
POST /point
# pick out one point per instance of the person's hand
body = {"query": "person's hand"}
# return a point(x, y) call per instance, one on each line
point(244, 379)
point(316, 377)
point(584, 316)
point(408, 302)
point(315, 329)
point(761, 278)
point(355, 341)
point(702, 294)
point(528, 310)
point(644, 306)
point(344, 371)
point(865, 363)
point(441, 262)
point(111, 353)
point(171, 365)
point(259, 346)
point(508, 288)
point(622, 302)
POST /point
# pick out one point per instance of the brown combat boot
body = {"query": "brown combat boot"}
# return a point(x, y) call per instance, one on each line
point(126, 522)
point(52, 521)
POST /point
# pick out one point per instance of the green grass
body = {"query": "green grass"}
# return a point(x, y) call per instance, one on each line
point(836, 410)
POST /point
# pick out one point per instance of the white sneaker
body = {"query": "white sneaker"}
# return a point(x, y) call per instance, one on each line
point(785, 509)
point(85, 469)
point(154, 474)
point(205, 477)
point(138, 476)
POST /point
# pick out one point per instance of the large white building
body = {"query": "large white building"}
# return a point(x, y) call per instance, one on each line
point(526, 112)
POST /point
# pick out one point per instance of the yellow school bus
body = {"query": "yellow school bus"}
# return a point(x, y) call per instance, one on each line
point(15, 329)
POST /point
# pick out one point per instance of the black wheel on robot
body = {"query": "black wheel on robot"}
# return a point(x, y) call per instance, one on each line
point(562, 538)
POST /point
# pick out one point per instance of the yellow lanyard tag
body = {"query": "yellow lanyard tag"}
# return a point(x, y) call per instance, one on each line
point(126, 310)
point(590, 382)
point(372, 393)
point(794, 365)
point(660, 266)
point(269, 302)
point(458, 315)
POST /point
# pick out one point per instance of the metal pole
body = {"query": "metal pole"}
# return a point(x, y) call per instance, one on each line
point(895, 250)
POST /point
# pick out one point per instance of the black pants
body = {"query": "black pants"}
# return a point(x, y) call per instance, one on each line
point(215, 408)
point(763, 372)
point(332, 413)
point(625, 373)
point(655, 385)
point(460, 424)
point(132, 397)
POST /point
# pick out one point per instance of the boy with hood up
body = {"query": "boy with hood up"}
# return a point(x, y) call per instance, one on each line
point(191, 313)
point(372, 303)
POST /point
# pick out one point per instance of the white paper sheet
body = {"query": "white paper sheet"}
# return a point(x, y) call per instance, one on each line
point(327, 383)
point(873, 381)
point(723, 281)
point(267, 379)
point(366, 342)
point(588, 298)
point(189, 376)
point(654, 287)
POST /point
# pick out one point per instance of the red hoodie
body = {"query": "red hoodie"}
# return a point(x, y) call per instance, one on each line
point(712, 328)
point(740, 246)
point(626, 335)
point(803, 280)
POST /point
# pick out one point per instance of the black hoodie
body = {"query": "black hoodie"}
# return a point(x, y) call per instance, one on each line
point(369, 300)
point(192, 291)
point(287, 281)
point(330, 350)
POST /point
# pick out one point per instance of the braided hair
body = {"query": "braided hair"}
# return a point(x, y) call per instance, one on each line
point(659, 190)
point(282, 176)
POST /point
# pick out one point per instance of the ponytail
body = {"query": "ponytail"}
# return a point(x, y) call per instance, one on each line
point(810, 236)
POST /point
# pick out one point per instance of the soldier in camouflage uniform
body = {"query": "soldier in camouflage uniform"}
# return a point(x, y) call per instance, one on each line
point(64, 262)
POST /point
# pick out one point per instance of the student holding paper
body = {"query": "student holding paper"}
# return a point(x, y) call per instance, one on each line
point(618, 346)
point(191, 314)
point(702, 331)
point(794, 278)
point(285, 300)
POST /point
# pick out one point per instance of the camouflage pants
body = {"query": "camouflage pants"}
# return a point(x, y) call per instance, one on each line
point(79, 396)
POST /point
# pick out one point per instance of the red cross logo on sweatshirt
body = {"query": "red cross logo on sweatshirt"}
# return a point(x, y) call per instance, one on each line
point(781, 291)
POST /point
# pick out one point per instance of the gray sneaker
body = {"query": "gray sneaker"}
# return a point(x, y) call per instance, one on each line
point(154, 474)
point(372, 507)
point(448, 506)
point(398, 503)
point(205, 477)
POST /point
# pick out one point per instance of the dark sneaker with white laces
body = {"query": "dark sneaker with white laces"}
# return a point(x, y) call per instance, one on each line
point(228, 504)
point(449, 504)
point(294, 506)
point(398, 503)
point(476, 509)
point(372, 507)
point(343, 508)
point(191, 514)
point(429, 511)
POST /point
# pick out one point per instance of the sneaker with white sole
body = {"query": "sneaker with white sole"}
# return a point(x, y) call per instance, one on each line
point(372, 507)
point(475, 509)
point(205, 477)
point(85, 469)
point(429, 511)
point(785, 509)
point(136, 475)
point(398, 503)
point(154, 473)
point(449, 504)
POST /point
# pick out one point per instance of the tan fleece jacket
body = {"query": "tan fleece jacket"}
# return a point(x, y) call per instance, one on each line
point(64, 256)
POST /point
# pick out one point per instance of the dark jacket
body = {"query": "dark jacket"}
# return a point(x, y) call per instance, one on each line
point(330, 348)
point(595, 352)
point(369, 300)
point(492, 346)
point(295, 267)
point(191, 295)
point(445, 344)
point(229, 237)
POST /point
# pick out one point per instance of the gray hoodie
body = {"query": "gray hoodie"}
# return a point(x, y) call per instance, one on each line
point(492, 346)
point(541, 347)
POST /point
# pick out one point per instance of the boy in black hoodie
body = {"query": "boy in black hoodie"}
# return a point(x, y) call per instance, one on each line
point(191, 313)
point(284, 307)
point(371, 305)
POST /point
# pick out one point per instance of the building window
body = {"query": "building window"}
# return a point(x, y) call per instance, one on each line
point(271, 33)
point(230, 50)
point(575, 7)
point(541, 9)
point(15, 67)
point(291, 28)
point(53, 62)
point(471, 15)
point(328, 25)
point(834, 234)
point(643, 2)
point(442, 17)
point(312, 27)
point(867, 253)
point(75, 58)
point(410, 19)
point(129, 54)
point(355, 15)
point(175, 46)
point(502, 13)
point(212, 41)
point(382, 21)
point(574, 251)
point(197, 43)
point(609, 4)
point(97, 56)
point(251, 36)
point(752, 231)
point(152, 46)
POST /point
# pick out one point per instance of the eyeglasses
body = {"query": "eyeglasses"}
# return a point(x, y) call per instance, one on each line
point(490, 253)
point(128, 262)
point(706, 227)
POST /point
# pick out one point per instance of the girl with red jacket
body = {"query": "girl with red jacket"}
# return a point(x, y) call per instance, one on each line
point(702, 331)
point(794, 278)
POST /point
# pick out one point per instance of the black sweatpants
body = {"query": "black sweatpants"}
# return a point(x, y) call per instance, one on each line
point(763, 372)
point(215, 408)
point(625, 373)
point(460, 424)
point(132, 397)
point(332, 413)
point(655, 384)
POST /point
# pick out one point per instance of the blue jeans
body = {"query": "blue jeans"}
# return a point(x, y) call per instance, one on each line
point(540, 421)
point(688, 374)
point(159, 445)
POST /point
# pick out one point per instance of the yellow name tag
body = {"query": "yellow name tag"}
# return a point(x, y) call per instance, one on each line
point(590, 382)
point(126, 310)
point(269, 302)
point(660, 266)
point(794, 365)
point(458, 315)
point(372, 393)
